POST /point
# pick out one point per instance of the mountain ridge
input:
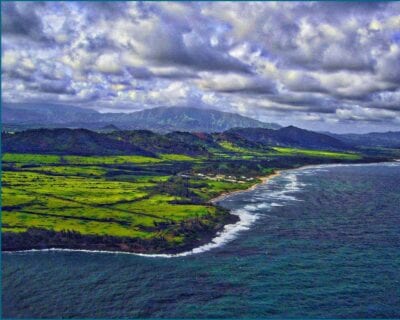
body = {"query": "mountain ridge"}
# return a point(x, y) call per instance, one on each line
point(146, 142)
point(389, 139)
point(291, 136)
point(68, 141)
point(161, 119)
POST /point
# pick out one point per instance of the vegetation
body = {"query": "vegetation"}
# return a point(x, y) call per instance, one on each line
point(317, 153)
point(91, 196)
point(149, 202)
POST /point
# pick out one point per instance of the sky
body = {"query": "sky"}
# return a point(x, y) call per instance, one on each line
point(318, 65)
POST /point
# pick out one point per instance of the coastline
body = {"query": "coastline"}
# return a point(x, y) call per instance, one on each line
point(263, 179)
point(209, 240)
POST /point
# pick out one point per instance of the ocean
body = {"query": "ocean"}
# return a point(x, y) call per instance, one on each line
point(319, 241)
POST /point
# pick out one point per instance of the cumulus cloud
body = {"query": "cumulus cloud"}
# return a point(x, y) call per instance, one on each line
point(302, 82)
point(364, 114)
point(21, 20)
point(307, 63)
point(236, 83)
point(57, 87)
point(108, 63)
point(389, 65)
point(389, 100)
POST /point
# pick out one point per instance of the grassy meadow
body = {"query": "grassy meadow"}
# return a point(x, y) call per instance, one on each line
point(138, 197)
point(91, 196)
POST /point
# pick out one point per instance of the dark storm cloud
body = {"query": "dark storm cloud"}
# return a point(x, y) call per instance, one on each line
point(57, 87)
point(191, 51)
point(204, 57)
point(388, 100)
point(19, 74)
point(19, 20)
point(251, 89)
point(308, 102)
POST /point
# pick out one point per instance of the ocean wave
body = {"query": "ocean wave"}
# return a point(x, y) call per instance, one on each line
point(270, 198)
point(229, 233)
point(274, 204)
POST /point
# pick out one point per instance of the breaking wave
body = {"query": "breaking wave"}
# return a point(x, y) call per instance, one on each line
point(263, 198)
point(246, 215)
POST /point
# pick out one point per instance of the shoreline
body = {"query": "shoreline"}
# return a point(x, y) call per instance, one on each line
point(209, 242)
point(263, 179)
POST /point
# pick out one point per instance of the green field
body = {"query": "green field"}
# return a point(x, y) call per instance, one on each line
point(237, 152)
point(135, 197)
point(77, 193)
point(240, 150)
point(88, 205)
point(317, 153)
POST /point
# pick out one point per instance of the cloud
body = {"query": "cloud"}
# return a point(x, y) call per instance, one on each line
point(57, 87)
point(385, 100)
point(21, 20)
point(358, 113)
point(389, 66)
point(301, 82)
point(305, 62)
point(236, 83)
point(339, 58)
point(108, 64)
point(139, 73)
point(305, 102)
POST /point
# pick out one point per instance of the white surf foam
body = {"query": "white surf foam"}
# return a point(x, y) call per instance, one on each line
point(274, 204)
point(246, 218)
point(229, 233)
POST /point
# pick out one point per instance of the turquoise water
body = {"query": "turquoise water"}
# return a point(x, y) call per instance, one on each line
point(316, 242)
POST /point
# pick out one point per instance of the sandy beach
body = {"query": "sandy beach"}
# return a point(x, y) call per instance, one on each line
point(262, 179)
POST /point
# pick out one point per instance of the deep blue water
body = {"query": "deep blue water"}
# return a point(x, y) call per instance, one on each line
point(324, 243)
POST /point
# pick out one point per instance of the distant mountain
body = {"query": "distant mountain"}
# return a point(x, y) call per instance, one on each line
point(291, 137)
point(68, 141)
point(161, 119)
point(108, 128)
point(191, 120)
point(46, 114)
point(389, 139)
